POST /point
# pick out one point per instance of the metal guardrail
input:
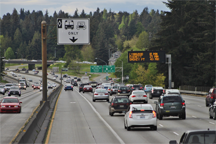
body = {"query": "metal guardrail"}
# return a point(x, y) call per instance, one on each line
point(197, 90)
point(193, 92)
point(31, 129)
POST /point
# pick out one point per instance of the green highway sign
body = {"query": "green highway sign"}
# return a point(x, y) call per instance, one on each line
point(109, 68)
point(96, 69)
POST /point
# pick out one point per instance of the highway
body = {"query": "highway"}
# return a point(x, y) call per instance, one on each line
point(12, 122)
point(79, 120)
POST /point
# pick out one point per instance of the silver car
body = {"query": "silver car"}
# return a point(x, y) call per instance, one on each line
point(8, 86)
point(138, 96)
point(2, 89)
point(140, 115)
point(14, 90)
point(100, 94)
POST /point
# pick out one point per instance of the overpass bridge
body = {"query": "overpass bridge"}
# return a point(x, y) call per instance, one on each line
point(31, 63)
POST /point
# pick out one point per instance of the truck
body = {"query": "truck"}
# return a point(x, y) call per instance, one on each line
point(85, 79)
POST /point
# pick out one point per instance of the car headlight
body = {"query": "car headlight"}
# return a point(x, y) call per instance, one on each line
point(3, 106)
point(15, 106)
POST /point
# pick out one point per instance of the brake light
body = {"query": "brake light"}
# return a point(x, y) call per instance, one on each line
point(106, 93)
point(71, 86)
point(130, 114)
point(119, 90)
point(84, 88)
point(144, 95)
point(128, 90)
point(80, 87)
point(141, 87)
point(142, 110)
point(211, 97)
point(162, 104)
point(163, 91)
point(154, 114)
point(132, 87)
point(183, 103)
point(133, 96)
point(65, 87)
point(96, 94)
point(130, 103)
point(152, 91)
point(145, 88)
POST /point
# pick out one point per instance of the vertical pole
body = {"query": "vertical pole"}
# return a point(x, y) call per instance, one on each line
point(122, 72)
point(169, 69)
point(44, 58)
point(0, 63)
point(61, 75)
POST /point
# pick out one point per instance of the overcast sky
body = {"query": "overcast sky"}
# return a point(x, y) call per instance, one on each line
point(69, 6)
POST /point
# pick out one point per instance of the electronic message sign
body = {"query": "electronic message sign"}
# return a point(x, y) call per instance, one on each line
point(146, 56)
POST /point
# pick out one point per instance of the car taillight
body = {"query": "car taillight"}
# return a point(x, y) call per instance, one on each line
point(84, 88)
point(211, 97)
point(96, 94)
point(106, 93)
point(152, 91)
point(130, 103)
point(112, 104)
point(130, 114)
point(163, 91)
point(144, 95)
point(145, 88)
point(141, 87)
point(80, 87)
point(71, 86)
point(162, 104)
point(154, 114)
point(119, 90)
point(183, 103)
point(108, 89)
point(132, 87)
point(133, 96)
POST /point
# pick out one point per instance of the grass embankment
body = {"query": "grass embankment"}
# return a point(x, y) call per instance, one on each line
point(11, 64)
point(83, 68)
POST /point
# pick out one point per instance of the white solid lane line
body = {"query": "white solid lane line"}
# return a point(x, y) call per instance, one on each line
point(161, 125)
point(176, 133)
point(194, 116)
point(114, 133)
point(211, 123)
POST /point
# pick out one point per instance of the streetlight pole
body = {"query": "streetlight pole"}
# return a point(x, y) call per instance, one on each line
point(122, 72)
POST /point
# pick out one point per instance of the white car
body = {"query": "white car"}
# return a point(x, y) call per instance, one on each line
point(140, 115)
point(138, 96)
point(54, 78)
point(53, 84)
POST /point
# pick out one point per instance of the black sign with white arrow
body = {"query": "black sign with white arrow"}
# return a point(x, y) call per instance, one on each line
point(73, 39)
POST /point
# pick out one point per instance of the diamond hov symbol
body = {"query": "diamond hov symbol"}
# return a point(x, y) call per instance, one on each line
point(73, 31)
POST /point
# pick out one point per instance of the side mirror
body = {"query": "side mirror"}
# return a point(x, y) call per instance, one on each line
point(155, 102)
point(172, 142)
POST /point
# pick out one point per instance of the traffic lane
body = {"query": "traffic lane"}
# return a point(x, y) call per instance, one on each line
point(136, 135)
point(76, 122)
point(12, 122)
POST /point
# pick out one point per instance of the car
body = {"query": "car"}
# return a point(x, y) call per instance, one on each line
point(53, 84)
point(14, 75)
point(75, 77)
point(129, 85)
point(68, 81)
point(81, 86)
point(78, 79)
point(147, 88)
point(65, 76)
point(123, 90)
point(14, 90)
point(33, 70)
point(170, 105)
point(171, 91)
point(118, 104)
point(26, 71)
point(109, 89)
point(10, 104)
point(8, 86)
point(23, 69)
point(110, 78)
point(68, 87)
point(140, 115)
point(41, 88)
point(23, 77)
point(22, 85)
point(49, 86)
point(100, 94)
point(54, 78)
point(60, 78)
point(156, 92)
point(30, 80)
point(99, 86)
point(210, 97)
point(137, 87)
point(19, 75)
point(36, 86)
point(212, 111)
point(93, 83)
point(74, 83)
point(87, 88)
point(106, 85)
point(36, 72)
point(2, 89)
point(197, 137)
point(114, 90)
point(138, 96)
point(25, 81)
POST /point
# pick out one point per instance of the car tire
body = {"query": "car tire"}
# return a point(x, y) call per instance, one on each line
point(9, 95)
point(150, 97)
point(160, 116)
point(107, 100)
point(110, 94)
point(128, 128)
point(3, 93)
point(20, 95)
point(20, 110)
point(83, 91)
point(154, 127)
point(111, 113)
point(183, 115)
point(125, 126)
point(93, 100)
point(206, 103)
point(210, 117)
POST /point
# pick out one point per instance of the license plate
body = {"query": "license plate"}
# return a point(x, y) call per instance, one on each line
point(124, 92)
point(158, 92)
point(172, 106)
point(121, 106)
point(101, 94)
point(87, 88)
point(142, 116)
point(13, 92)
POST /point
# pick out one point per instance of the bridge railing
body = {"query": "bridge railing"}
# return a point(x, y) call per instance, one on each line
point(201, 90)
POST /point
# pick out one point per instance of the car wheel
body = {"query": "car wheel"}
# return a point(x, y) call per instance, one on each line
point(9, 95)
point(128, 128)
point(183, 115)
point(20, 110)
point(210, 116)
point(150, 97)
point(111, 94)
point(3, 93)
point(206, 103)
point(111, 113)
point(20, 95)
point(107, 100)
point(83, 91)
point(93, 100)
point(125, 126)
point(160, 116)
point(154, 127)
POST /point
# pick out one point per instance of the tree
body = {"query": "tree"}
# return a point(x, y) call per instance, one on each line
point(17, 39)
point(143, 41)
point(9, 54)
point(87, 53)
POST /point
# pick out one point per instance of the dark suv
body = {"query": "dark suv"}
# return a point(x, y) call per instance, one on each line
point(119, 104)
point(211, 96)
point(170, 105)
point(123, 90)
point(156, 92)
point(81, 86)
point(137, 87)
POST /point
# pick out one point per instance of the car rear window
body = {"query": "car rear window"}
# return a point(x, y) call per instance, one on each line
point(170, 99)
point(148, 85)
point(123, 88)
point(121, 100)
point(138, 108)
point(138, 92)
point(100, 90)
point(10, 100)
point(8, 85)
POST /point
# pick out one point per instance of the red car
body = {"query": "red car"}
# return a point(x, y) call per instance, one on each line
point(10, 104)
point(211, 97)
point(36, 86)
point(87, 88)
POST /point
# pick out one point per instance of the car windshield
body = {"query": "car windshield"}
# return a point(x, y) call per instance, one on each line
point(170, 99)
point(201, 138)
point(139, 92)
point(22, 84)
point(137, 86)
point(101, 91)
point(1, 86)
point(10, 100)
point(137, 108)
point(8, 85)
point(14, 87)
